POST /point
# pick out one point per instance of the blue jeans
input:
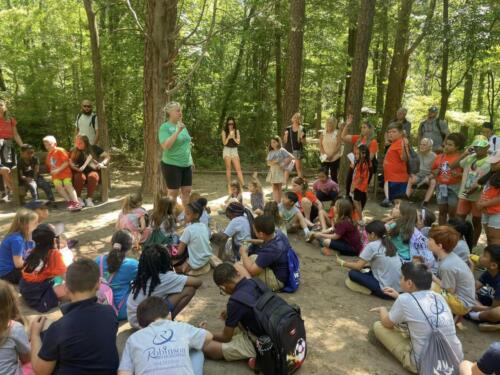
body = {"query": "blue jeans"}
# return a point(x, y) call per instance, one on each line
point(343, 248)
point(368, 281)
point(397, 189)
point(42, 184)
point(197, 360)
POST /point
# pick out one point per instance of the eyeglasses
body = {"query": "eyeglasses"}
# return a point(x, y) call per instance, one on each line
point(222, 291)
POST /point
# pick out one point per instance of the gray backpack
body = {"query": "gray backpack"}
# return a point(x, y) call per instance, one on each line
point(437, 357)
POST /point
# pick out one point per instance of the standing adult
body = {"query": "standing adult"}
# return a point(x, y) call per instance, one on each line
point(330, 148)
point(8, 134)
point(434, 129)
point(401, 117)
point(86, 123)
point(367, 138)
point(294, 140)
point(494, 141)
point(176, 161)
point(231, 140)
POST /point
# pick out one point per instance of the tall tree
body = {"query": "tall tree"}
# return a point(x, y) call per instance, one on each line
point(98, 76)
point(278, 85)
point(468, 84)
point(445, 92)
point(381, 71)
point(293, 72)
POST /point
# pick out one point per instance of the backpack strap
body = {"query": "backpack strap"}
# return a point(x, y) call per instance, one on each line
point(426, 317)
point(92, 121)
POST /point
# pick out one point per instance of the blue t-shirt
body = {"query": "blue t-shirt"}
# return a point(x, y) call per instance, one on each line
point(12, 245)
point(195, 236)
point(274, 255)
point(121, 282)
point(490, 291)
point(489, 363)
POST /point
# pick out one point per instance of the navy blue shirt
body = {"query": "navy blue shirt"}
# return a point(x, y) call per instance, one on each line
point(489, 363)
point(490, 291)
point(274, 254)
point(83, 341)
point(239, 313)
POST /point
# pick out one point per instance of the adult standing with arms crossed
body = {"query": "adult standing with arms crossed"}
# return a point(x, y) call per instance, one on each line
point(330, 148)
point(231, 140)
point(294, 140)
point(176, 161)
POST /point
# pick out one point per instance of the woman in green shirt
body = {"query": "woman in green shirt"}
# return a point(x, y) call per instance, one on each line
point(176, 161)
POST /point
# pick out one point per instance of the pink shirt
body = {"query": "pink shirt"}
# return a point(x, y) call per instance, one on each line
point(326, 187)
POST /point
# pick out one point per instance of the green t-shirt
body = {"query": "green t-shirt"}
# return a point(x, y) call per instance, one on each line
point(473, 170)
point(180, 152)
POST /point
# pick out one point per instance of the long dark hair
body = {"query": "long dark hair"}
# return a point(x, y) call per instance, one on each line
point(405, 225)
point(226, 126)
point(154, 260)
point(76, 152)
point(465, 229)
point(43, 236)
point(121, 242)
point(164, 213)
point(377, 227)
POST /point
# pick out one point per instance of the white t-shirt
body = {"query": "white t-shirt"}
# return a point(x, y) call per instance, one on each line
point(387, 270)
point(239, 229)
point(162, 348)
point(195, 236)
point(406, 310)
point(83, 124)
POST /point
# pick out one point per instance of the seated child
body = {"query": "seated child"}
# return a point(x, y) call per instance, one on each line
point(324, 187)
point(16, 244)
point(133, 218)
point(414, 307)
point(454, 280)
point(488, 290)
point(118, 270)
point(425, 220)
point(345, 237)
point(29, 173)
point(14, 344)
point(194, 251)
point(385, 266)
point(256, 195)
point(235, 193)
point(309, 205)
point(291, 215)
point(85, 337)
point(60, 171)
point(272, 209)
point(156, 277)
point(43, 274)
point(153, 316)
point(163, 224)
point(489, 363)
point(205, 216)
point(424, 176)
point(465, 243)
point(269, 261)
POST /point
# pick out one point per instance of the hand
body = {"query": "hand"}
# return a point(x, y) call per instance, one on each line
point(377, 309)
point(390, 292)
point(180, 126)
point(243, 250)
point(223, 315)
point(37, 325)
point(349, 120)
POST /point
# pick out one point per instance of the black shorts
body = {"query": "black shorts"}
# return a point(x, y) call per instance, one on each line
point(359, 195)
point(176, 177)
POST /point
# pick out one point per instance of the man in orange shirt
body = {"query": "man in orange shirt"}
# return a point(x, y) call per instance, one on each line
point(58, 166)
point(395, 168)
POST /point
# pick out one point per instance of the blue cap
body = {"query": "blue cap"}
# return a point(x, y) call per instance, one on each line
point(36, 204)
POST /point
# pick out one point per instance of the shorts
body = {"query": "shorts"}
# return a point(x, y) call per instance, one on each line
point(313, 214)
point(240, 347)
point(466, 207)
point(298, 154)
point(230, 152)
point(421, 180)
point(359, 195)
point(62, 182)
point(491, 221)
point(396, 189)
point(446, 194)
point(176, 177)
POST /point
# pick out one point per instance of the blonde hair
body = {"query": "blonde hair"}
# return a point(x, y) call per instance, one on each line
point(333, 121)
point(50, 139)
point(9, 309)
point(170, 106)
point(131, 202)
point(21, 222)
point(297, 116)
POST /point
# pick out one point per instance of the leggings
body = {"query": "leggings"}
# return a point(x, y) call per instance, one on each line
point(343, 248)
point(369, 281)
point(332, 168)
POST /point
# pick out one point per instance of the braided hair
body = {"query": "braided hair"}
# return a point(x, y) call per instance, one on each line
point(154, 260)
point(235, 209)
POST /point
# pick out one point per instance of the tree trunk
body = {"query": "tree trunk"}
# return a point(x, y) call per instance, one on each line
point(360, 61)
point(278, 82)
point(98, 79)
point(467, 101)
point(319, 104)
point(351, 45)
point(338, 106)
point(480, 92)
point(3, 87)
point(159, 57)
point(491, 92)
point(382, 66)
point(294, 59)
point(427, 82)
point(445, 63)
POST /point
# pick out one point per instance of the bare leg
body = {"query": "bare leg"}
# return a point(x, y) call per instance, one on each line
point(476, 223)
point(409, 186)
point(299, 220)
point(287, 175)
point(323, 219)
point(237, 168)
point(227, 161)
point(277, 193)
point(443, 214)
point(242, 270)
point(491, 315)
point(298, 167)
point(173, 193)
point(180, 300)
point(306, 206)
point(430, 190)
point(60, 189)
point(386, 190)
point(7, 178)
point(71, 192)
point(185, 193)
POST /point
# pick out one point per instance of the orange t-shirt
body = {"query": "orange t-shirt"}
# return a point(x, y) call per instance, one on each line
point(7, 128)
point(395, 169)
point(309, 195)
point(447, 176)
point(361, 177)
point(490, 192)
point(372, 147)
point(55, 267)
point(55, 159)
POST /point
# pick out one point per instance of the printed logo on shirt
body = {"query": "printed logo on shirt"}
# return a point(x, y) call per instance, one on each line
point(164, 337)
point(445, 169)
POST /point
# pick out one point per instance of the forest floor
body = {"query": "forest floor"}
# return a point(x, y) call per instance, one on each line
point(337, 319)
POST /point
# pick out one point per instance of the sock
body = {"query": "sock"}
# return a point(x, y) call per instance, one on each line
point(474, 315)
point(306, 231)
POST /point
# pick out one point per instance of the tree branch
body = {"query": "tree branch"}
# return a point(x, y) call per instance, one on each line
point(425, 28)
point(134, 15)
point(187, 37)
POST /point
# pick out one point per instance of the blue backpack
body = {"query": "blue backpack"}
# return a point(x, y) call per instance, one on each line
point(293, 281)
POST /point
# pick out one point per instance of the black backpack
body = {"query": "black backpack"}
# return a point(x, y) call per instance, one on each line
point(282, 350)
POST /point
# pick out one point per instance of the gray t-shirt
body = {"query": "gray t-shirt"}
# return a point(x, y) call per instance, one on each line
point(462, 250)
point(287, 214)
point(387, 270)
point(406, 310)
point(170, 283)
point(433, 129)
point(162, 348)
point(16, 343)
point(456, 275)
point(239, 229)
point(426, 161)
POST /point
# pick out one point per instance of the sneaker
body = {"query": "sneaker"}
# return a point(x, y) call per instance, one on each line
point(81, 202)
point(308, 236)
point(74, 206)
point(89, 202)
point(386, 203)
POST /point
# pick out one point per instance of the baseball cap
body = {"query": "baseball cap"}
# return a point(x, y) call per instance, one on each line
point(36, 204)
point(494, 158)
point(433, 109)
point(480, 141)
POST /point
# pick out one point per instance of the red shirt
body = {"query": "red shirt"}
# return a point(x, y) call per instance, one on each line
point(447, 176)
point(490, 192)
point(309, 195)
point(55, 267)
point(372, 147)
point(55, 159)
point(7, 128)
point(349, 233)
point(361, 177)
point(395, 169)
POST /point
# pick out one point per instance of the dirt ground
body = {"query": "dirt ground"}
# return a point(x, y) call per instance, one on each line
point(337, 320)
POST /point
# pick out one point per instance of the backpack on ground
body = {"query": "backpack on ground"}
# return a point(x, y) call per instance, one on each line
point(105, 292)
point(437, 356)
point(282, 350)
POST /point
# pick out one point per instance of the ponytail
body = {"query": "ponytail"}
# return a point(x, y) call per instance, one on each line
point(115, 258)
point(377, 227)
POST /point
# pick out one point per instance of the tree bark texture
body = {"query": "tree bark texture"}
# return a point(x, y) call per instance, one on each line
point(278, 72)
point(338, 103)
point(445, 61)
point(159, 57)
point(98, 75)
point(382, 60)
point(467, 100)
point(480, 92)
point(293, 72)
point(353, 8)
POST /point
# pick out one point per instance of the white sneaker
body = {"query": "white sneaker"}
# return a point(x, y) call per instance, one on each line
point(89, 202)
point(82, 203)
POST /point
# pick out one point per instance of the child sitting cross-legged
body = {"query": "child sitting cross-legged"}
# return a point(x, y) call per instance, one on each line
point(325, 188)
point(256, 194)
point(382, 257)
point(291, 215)
point(184, 341)
point(156, 277)
point(310, 206)
point(269, 261)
